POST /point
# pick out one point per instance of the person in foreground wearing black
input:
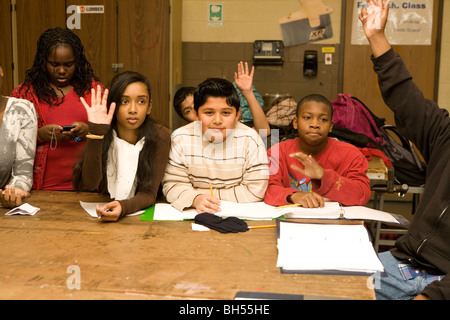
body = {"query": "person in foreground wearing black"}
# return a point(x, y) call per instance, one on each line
point(419, 264)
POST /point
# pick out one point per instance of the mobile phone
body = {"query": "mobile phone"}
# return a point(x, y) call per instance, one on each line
point(67, 128)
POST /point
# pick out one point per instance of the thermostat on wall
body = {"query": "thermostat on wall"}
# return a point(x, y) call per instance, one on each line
point(268, 52)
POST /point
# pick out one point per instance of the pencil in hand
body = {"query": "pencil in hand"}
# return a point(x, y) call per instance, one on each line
point(290, 205)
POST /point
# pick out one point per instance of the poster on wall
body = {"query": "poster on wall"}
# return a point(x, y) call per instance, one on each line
point(215, 14)
point(409, 23)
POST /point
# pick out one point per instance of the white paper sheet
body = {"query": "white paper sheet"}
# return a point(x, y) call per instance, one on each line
point(331, 210)
point(165, 212)
point(326, 247)
point(89, 207)
point(24, 209)
point(364, 213)
point(246, 211)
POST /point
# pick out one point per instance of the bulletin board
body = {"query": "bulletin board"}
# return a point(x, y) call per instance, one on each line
point(409, 23)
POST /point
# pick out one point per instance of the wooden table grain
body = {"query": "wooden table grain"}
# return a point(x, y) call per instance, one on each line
point(63, 253)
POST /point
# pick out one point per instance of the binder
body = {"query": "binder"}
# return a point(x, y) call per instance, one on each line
point(336, 249)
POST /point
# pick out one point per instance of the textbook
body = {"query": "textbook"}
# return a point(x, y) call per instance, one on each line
point(325, 249)
point(333, 210)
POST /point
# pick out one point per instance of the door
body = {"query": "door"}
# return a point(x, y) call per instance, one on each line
point(33, 18)
point(6, 53)
point(360, 80)
point(98, 33)
point(144, 46)
point(131, 35)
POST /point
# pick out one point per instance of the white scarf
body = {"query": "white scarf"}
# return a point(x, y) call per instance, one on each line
point(121, 169)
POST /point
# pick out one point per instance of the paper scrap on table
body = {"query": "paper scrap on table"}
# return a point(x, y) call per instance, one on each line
point(199, 227)
point(166, 212)
point(25, 209)
point(90, 208)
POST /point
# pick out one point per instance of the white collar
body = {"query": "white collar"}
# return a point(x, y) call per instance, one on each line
point(122, 164)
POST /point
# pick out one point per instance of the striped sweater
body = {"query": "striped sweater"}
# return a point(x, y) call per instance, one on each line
point(237, 169)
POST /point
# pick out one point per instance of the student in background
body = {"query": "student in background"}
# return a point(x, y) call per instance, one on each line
point(60, 75)
point(126, 151)
point(183, 102)
point(217, 152)
point(418, 266)
point(312, 167)
point(18, 129)
point(243, 79)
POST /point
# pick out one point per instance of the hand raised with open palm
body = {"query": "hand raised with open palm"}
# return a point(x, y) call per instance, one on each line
point(244, 77)
point(98, 111)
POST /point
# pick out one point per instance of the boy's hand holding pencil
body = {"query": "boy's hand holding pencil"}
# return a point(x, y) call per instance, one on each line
point(207, 203)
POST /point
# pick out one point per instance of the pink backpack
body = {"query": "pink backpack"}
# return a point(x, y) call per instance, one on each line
point(349, 112)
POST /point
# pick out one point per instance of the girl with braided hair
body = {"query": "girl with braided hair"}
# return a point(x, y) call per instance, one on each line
point(59, 76)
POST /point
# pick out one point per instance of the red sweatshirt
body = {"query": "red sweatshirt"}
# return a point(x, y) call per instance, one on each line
point(344, 180)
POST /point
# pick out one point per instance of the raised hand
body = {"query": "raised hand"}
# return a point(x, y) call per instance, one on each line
point(374, 19)
point(243, 78)
point(98, 111)
point(374, 22)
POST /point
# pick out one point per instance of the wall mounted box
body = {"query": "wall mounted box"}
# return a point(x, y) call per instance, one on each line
point(310, 63)
point(268, 52)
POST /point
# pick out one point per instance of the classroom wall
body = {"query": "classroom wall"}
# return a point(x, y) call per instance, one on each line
point(248, 20)
point(215, 51)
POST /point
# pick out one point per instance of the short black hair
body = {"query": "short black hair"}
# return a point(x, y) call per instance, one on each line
point(315, 98)
point(219, 88)
point(179, 97)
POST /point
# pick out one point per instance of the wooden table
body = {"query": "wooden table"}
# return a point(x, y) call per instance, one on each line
point(46, 255)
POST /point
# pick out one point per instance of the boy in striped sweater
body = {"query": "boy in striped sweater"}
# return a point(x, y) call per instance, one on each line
point(216, 157)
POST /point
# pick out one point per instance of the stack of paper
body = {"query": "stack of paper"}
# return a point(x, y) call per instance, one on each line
point(323, 248)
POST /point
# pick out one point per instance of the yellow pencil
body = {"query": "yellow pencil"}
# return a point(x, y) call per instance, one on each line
point(263, 227)
point(210, 188)
point(290, 205)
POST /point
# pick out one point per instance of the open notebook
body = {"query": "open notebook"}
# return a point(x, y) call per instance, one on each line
point(333, 210)
point(248, 211)
point(262, 211)
point(325, 249)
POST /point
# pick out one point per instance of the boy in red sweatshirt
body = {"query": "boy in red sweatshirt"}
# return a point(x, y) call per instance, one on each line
point(313, 167)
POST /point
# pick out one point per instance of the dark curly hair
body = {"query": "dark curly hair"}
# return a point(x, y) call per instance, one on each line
point(37, 75)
